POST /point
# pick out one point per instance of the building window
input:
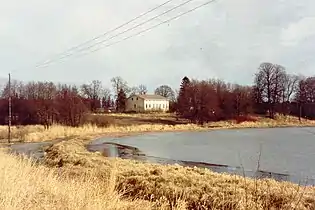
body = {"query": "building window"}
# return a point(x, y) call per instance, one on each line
point(132, 99)
point(137, 98)
point(149, 105)
point(135, 105)
point(146, 106)
point(159, 106)
point(163, 106)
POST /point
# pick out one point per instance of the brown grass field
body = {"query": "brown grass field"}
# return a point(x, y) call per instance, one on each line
point(73, 178)
point(29, 186)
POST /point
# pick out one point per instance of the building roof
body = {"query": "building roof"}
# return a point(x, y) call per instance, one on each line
point(150, 97)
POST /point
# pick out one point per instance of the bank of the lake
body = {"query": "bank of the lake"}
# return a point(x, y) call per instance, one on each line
point(196, 188)
point(286, 151)
point(39, 134)
point(191, 187)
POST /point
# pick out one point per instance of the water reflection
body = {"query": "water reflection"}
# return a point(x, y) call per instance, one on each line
point(110, 149)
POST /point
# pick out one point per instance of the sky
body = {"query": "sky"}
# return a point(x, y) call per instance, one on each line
point(226, 39)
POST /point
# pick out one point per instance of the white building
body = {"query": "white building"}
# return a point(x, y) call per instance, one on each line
point(142, 103)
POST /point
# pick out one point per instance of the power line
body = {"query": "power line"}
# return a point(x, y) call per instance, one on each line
point(145, 30)
point(150, 28)
point(125, 31)
point(114, 29)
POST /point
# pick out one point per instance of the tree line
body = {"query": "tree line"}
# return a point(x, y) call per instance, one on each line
point(199, 101)
point(274, 91)
point(47, 103)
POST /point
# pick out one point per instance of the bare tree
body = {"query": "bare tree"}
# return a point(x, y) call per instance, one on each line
point(263, 82)
point(14, 89)
point(133, 90)
point(165, 91)
point(119, 84)
point(30, 90)
point(97, 88)
point(142, 89)
point(242, 97)
point(94, 92)
point(205, 102)
point(269, 82)
point(70, 106)
point(225, 98)
point(106, 93)
point(305, 97)
point(307, 90)
point(198, 101)
point(289, 86)
point(46, 111)
point(279, 78)
point(86, 91)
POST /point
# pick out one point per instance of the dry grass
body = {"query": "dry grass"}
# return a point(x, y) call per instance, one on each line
point(20, 132)
point(37, 133)
point(25, 185)
point(74, 178)
point(186, 188)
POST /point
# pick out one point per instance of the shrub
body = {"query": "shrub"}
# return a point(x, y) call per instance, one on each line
point(97, 120)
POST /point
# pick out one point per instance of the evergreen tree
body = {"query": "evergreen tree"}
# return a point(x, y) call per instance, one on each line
point(104, 103)
point(121, 101)
point(109, 102)
point(184, 99)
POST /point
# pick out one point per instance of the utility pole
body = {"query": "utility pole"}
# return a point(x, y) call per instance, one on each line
point(10, 111)
point(300, 112)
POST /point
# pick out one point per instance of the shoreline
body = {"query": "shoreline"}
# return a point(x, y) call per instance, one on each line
point(144, 179)
point(125, 152)
point(57, 132)
point(205, 129)
point(87, 141)
point(70, 158)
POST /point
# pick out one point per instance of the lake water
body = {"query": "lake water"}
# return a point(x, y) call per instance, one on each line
point(34, 150)
point(287, 151)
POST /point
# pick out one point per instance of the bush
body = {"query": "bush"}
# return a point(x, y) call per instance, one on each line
point(97, 120)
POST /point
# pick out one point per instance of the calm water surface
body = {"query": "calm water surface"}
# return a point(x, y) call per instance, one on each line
point(280, 150)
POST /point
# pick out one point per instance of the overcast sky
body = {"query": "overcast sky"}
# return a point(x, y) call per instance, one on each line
point(227, 39)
